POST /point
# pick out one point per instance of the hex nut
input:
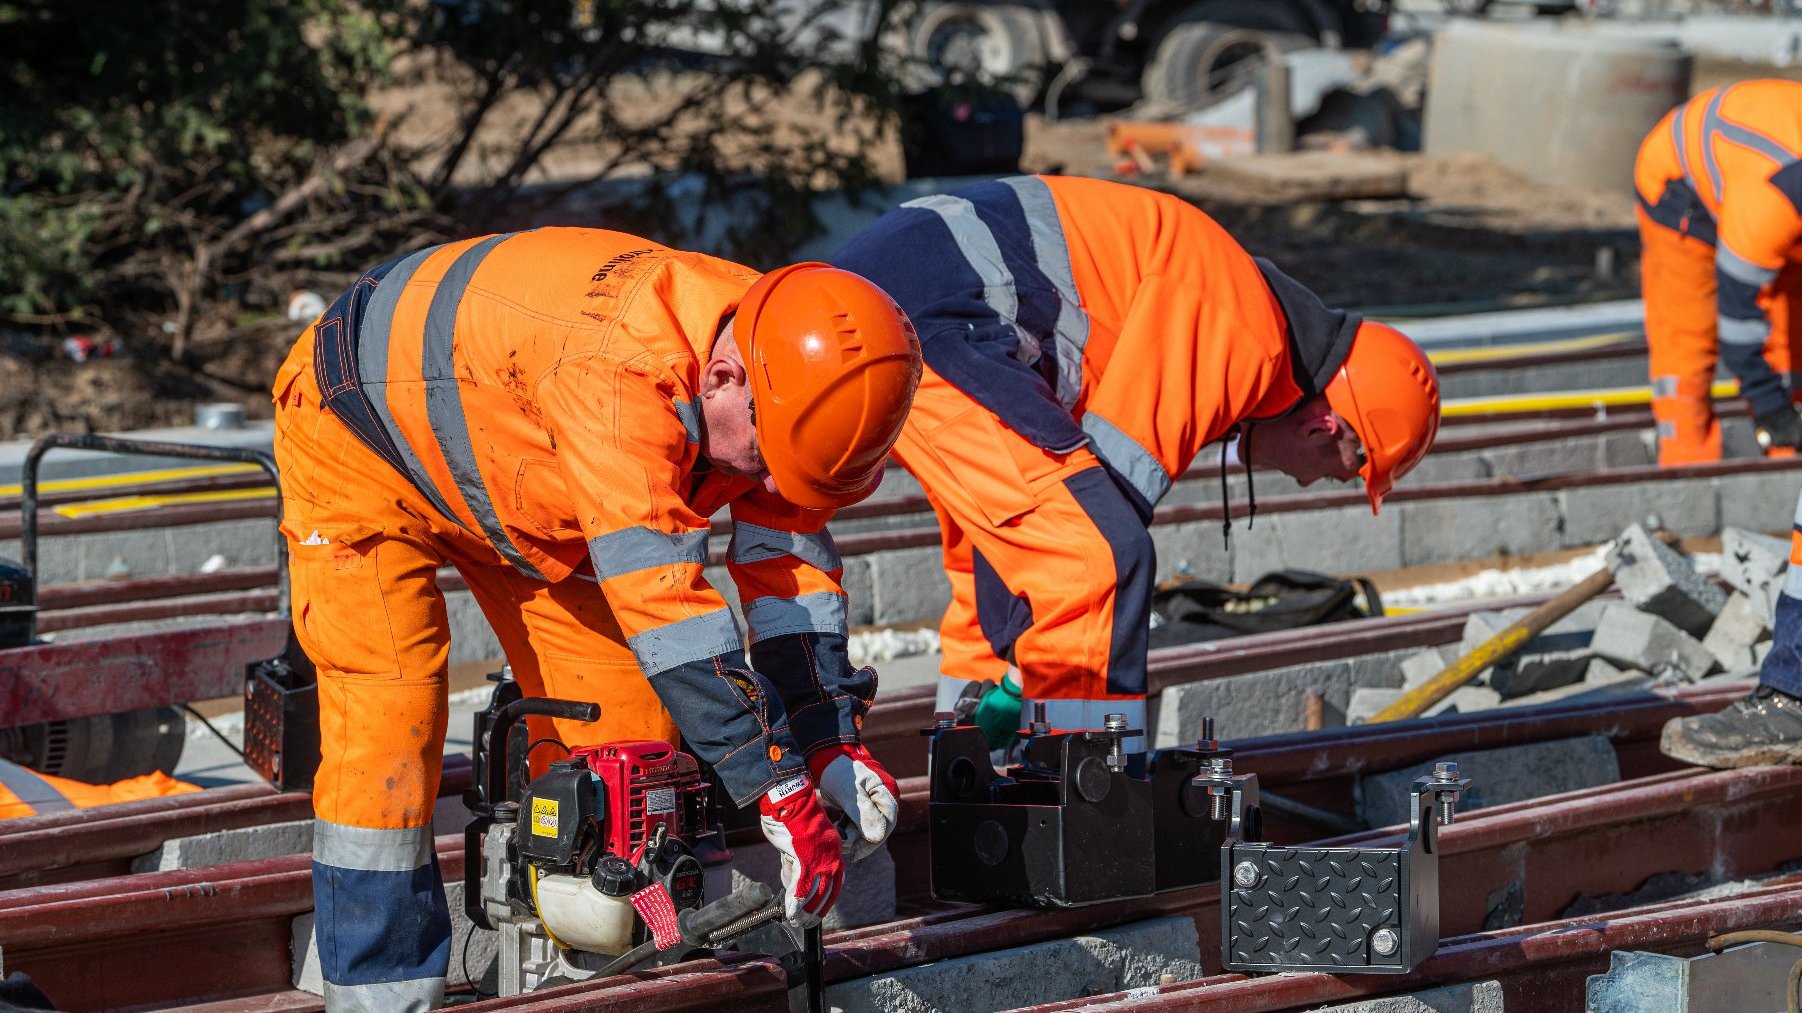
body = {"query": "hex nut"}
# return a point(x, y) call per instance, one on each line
point(1245, 875)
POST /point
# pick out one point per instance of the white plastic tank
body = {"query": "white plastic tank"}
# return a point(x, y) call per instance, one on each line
point(1562, 103)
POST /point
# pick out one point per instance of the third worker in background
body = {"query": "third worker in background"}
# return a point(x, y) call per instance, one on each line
point(1083, 341)
point(1720, 219)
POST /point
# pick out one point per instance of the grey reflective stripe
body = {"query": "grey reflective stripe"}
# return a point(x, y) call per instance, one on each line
point(415, 996)
point(820, 612)
point(1683, 147)
point(371, 850)
point(696, 638)
point(1124, 454)
point(1076, 715)
point(1743, 332)
point(1052, 252)
point(1792, 582)
point(983, 254)
point(1740, 269)
point(373, 339)
point(444, 400)
point(629, 550)
point(690, 413)
point(1667, 430)
point(1664, 386)
point(30, 788)
point(1748, 138)
point(752, 543)
point(1710, 122)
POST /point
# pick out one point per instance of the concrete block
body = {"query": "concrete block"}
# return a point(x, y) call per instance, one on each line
point(1536, 673)
point(1129, 956)
point(1326, 541)
point(1417, 668)
point(1758, 502)
point(1596, 514)
point(1435, 531)
point(1735, 632)
point(240, 845)
point(860, 592)
point(1509, 774)
point(1475, 997)
point(1600, 679)
point(1660, 580)
point(867, 898)
point(1466, 700)
point(1266, 703)
point(468, 956)
point(471, 638)
point(1367, 701)
point(1634, 639)
point(908, 586)
point(1557, 657)
point(1755, 565)
point(1192, 548)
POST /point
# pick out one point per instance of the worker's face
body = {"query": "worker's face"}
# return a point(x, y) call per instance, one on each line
point(728, 419)
point(1308, 445)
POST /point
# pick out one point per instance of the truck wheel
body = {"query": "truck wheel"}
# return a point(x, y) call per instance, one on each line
point(977, 43)
point(1199, 62)
point(101, 749)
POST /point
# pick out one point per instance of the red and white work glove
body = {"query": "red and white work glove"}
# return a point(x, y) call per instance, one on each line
point(796, 824)
point(852, 780)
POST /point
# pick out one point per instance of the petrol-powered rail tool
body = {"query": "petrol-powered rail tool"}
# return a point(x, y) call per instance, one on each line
point(592, 870)
point(1078, 821)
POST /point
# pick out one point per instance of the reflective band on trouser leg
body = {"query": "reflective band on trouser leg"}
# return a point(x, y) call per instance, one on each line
point(821, 612)
point(444, 400)
point(29, 788)
point(381, 923)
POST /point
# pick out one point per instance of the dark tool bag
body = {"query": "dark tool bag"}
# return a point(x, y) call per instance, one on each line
point(1284, 600)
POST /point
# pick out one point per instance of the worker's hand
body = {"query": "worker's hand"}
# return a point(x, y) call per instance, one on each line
point(851, 779)
point(998, 713)
point(812, 871)
point(1781, 428)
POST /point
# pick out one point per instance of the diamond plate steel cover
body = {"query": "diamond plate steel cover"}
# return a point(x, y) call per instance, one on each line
point(1315, 906)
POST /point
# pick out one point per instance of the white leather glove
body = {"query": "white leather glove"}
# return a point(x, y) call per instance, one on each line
point(851, 779)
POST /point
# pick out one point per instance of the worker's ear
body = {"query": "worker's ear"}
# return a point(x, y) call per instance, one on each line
point(1319, 420)
point(722, 372)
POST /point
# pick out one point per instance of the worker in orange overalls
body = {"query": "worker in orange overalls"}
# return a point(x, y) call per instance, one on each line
point(1083, 341)
point(557, 414)
point(1720, 217)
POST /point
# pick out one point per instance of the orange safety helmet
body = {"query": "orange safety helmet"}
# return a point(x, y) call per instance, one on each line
point(834, 364)
point(1387, 390)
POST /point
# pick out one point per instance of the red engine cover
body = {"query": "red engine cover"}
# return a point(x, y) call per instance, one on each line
point(649, 784)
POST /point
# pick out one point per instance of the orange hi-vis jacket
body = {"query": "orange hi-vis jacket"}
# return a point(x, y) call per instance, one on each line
point(1726, 168)
point(542, 391)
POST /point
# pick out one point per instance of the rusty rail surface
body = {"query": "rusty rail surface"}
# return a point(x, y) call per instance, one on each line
point(81, 936)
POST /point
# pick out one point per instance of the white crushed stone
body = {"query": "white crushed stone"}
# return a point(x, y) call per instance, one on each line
point(868, 647)
point(1515, 582)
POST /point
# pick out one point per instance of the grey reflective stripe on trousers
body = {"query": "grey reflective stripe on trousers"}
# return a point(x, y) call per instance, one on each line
point(444, 400)
point(1124, 454)
point(1734, 331)
point(373, 338)
point(1740, 269)
point(707, 635)
point(983, 254)
point(629, 550)
point(690, 413)
point(30, 788)
point(385, 996)
point(371, 850)
point(820, 612)
point(753, 543)
point(1052, 252)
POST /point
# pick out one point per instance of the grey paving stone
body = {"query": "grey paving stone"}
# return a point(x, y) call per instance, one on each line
point(1129, 956)
point(1509, 774)
point(1754, 565)
point(1660, 580)
point(1596, 514)
point(240, 845)
point(1326, 541)
point(1265, 703)
point(1193, 549)
point(1634, 639)
point(908, 586)
point(1476, 997)
point(1418, 667)
point(1599, 680)
point(1435, 531)
point(1735, 632)
point(1758, 501)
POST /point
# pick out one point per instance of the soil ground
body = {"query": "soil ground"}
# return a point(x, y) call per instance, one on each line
point(1468, 234)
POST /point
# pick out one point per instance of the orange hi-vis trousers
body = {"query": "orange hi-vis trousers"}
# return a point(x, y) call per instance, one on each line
point(364, 555)
point(1677, 278)
point(1050, 567)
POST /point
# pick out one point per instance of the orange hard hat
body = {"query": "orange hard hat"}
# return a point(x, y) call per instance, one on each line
point(834, 364)
point(1387, 390)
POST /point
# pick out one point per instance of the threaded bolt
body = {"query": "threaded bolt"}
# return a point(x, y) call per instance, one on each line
point(1207, 729)
point(1220, 798)
point(1446, 773)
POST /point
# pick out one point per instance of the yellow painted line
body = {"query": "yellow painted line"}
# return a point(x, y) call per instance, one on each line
point(134, 478)
point(1502, 353)
point(122, 504)
point(1610, 397)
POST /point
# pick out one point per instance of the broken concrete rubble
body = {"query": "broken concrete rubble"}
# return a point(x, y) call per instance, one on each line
point(1634, 639)
point(1736, 631)
point(1502, 775)
point(1754, 565)
point(1660, 580)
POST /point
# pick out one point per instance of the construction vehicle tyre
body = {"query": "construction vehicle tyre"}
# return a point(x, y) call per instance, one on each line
point(998, 45)
point(103, 748)
point(1200, 62)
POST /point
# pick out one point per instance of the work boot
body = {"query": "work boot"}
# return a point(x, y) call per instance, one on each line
point(1764, 728)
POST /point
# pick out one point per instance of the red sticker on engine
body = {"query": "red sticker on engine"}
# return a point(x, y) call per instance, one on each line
point(653, 904)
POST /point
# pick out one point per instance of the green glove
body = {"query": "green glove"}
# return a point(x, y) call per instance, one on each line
point(998, 713)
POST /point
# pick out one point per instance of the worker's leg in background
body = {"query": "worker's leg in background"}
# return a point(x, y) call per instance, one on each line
point(1677, 281)
point(966, 654)
point(366, 608)
point(563, 642)
point(1061, 565)
point(1766, 727)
